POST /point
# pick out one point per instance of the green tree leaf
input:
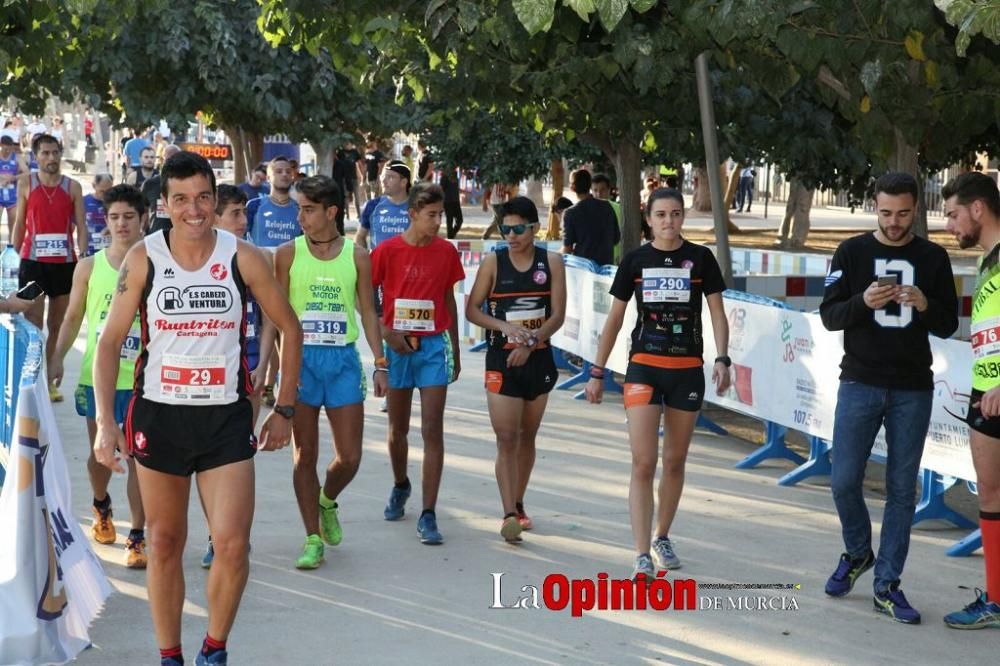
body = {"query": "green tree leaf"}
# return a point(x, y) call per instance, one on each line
point(583, 8)
point(611, 12)
point(535, 15)
point(642, 6)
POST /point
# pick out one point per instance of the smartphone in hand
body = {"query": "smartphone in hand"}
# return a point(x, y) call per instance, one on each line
point(888, 280)
point(30, 291)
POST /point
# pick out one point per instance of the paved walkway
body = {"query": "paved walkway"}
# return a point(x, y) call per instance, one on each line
point(383, 598)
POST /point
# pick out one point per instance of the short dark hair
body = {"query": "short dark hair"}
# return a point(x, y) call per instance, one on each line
point(561, 204)
point(149, 149)
point(521, 206)
point(279, 158)
point(228, 194)
point(897, 182)
point(663, 193)
point(127, 194)
point(580, 181)
point(400, 168)
point(600, 178)
point(423, 194)
point(973, 186)
point(261, 167)
point(322, 190)
point(39, 139)
point(185, 165)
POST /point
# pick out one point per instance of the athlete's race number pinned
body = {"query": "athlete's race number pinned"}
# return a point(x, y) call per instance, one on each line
point(986, 338)
point(201, 378)
point(666, 285)
point(413, 314)
point(529, 319)
point(51, 245)
point(325, 328)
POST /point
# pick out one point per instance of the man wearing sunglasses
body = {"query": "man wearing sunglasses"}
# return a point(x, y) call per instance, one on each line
point(972, 207)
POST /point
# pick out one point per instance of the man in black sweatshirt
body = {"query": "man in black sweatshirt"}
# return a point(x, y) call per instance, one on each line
point(886, 290)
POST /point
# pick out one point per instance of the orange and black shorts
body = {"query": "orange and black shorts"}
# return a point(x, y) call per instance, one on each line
point(680, 388)
point(536, 377)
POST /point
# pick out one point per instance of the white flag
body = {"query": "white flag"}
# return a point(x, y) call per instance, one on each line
point(52, 586)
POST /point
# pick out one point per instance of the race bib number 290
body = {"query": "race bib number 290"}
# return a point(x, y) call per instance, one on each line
point(666, 285)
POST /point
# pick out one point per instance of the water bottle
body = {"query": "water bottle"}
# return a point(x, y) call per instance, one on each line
point(10, 263)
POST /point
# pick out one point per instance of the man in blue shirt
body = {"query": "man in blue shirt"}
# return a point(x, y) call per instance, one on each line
point(274, 219)
point(98, 238)
point(387, 216)
point(133, 149)
point(257, 185)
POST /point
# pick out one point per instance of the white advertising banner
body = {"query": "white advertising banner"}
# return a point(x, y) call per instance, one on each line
point(786, 366)
point(51, 584)
point(786, 369)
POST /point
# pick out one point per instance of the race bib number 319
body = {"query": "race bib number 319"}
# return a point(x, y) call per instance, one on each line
point(666, 285)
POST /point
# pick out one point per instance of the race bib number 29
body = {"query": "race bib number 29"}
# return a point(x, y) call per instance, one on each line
point(194, 378)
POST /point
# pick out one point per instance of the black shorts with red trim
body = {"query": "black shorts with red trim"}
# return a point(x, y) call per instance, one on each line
point(184, 439)
point(679, 388)
point(975, 419)
point(535, 378)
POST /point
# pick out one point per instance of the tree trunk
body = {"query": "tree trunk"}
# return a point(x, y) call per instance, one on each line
point(701, 201)
point(324, 156)
point(248, 151)
point(627, 160)
point(905, 159)
point(734, 184)
point(553, 231)
point(795, 225)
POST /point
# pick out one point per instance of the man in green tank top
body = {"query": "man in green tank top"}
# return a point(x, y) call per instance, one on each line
point(94, 284)
point(972, 206)
point(327, 277)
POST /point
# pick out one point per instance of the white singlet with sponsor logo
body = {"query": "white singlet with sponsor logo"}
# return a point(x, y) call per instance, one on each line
point(194, 323)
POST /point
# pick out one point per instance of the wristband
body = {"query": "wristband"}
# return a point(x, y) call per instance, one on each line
point(386, 370)
point(597, 373)
point(382, 363)
point(724, 360)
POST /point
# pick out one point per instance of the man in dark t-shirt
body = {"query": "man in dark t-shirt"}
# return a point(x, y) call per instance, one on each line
point(886, 291)
point(375, 159)
point(350, 157)
point(590, 227)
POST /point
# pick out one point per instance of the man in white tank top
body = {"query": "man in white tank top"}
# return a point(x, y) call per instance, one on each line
point(189, 413)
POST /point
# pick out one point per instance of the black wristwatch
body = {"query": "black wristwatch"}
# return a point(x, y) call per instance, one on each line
point(285, 410)
point(724, 360)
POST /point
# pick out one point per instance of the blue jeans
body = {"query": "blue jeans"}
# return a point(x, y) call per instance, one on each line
point(861, 410)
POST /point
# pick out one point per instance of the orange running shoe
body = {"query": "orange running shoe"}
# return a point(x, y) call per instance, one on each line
point(135, 553)
point(103, 530)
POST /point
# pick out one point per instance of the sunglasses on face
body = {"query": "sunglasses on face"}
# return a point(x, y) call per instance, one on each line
point(517, 229)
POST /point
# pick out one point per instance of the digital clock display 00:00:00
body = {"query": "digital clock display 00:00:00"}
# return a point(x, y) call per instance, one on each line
point(210, 151)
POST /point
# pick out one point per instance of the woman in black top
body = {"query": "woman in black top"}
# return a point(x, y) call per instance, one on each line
point(524, 288)
point(665, 375)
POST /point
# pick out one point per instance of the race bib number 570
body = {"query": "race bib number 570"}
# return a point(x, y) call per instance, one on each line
point(413, 314)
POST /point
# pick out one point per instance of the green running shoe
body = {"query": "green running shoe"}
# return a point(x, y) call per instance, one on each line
point(312, 553)
point(329, 524)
